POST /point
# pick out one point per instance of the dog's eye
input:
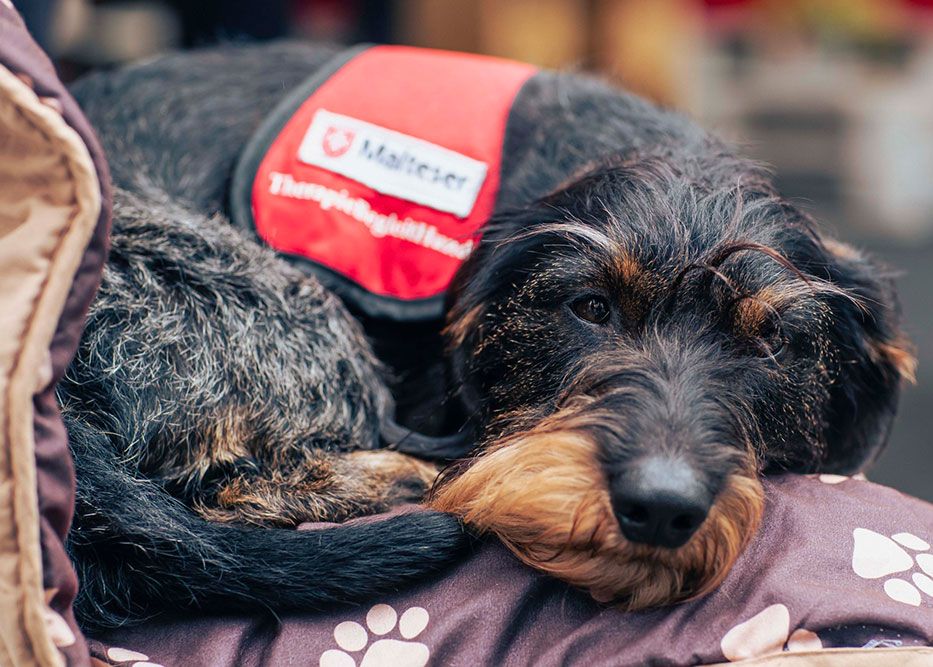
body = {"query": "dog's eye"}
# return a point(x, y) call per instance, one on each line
point(771, 342)
point(593, 309)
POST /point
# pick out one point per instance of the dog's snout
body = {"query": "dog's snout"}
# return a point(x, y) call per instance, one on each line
point(659, 502)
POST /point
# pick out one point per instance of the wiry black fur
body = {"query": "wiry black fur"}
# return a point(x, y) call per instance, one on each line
point(195, 324)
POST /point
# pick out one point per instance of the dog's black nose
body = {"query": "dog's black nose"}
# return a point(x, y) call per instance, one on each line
point(659, 502)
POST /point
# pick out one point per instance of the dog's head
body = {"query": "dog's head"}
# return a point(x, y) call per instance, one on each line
point(637, 347)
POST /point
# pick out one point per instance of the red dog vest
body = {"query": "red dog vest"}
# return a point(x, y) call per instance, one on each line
point(379, 173)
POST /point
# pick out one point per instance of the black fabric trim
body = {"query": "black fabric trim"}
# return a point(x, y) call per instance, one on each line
point(241, 209)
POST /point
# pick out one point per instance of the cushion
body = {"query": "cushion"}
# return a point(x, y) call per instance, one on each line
point(842, 568)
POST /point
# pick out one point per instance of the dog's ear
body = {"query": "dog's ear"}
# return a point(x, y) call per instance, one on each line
point(485, 279)
point(874, 359)
point(494, 263)
point(468, 299)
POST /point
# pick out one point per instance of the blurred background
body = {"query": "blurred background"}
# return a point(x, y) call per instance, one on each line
point(836, 94)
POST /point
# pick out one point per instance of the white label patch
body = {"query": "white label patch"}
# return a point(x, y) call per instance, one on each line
point(393, 163)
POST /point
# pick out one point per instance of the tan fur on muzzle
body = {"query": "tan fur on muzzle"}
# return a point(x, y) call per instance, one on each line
point(544, 495)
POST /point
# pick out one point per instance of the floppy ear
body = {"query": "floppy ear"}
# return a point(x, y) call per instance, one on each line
point(468, 299)
point(874, 359)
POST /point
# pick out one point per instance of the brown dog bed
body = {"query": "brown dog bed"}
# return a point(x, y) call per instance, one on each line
point(840, 574)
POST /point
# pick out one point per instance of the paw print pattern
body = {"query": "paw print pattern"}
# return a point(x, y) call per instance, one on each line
point(766, 633)
point(828, 478)
point(124, 656)
point(875, 556)
point(381, 619)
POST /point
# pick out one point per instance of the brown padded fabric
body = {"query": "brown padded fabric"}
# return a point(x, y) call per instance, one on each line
point(844, 657)
point(54, 222)
point(49, 205)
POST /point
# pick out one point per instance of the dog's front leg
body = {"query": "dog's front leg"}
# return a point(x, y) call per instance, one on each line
point(323, 486)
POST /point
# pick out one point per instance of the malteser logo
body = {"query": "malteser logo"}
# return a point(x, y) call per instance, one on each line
point(337, 141)
point(393, 163)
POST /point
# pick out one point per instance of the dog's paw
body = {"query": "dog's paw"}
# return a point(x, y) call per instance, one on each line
point(381, 620)
point(400, 478)
point(407, 490)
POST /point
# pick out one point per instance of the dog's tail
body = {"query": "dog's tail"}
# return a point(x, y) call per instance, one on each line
point(138, 551)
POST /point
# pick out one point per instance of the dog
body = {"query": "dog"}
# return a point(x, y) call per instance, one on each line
point(645, 327)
